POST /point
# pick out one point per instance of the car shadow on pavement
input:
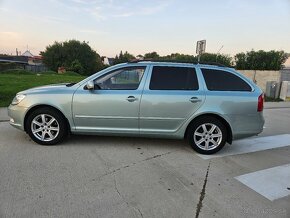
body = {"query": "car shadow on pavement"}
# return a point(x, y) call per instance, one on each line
point(113, 141)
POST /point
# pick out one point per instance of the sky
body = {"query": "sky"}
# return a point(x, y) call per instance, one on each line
point(141, 26)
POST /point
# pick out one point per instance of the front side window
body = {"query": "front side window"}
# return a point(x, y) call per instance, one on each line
point(173, 78)
point(219, 80)
point(127, 78)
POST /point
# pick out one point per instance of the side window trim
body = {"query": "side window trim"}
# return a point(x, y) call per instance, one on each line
point(228, 71)
point(196, 76)
point(145, 67)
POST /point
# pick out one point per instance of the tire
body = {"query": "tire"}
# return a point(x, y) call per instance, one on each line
point(207, 135)
point(46, 126)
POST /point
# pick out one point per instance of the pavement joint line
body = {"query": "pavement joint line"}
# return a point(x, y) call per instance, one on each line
point(127, 203)
point(134, 163)
point(202, 193)
point(115, 183)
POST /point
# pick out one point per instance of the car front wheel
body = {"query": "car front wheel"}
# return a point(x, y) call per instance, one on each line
point(207, 135)
point(46, 126)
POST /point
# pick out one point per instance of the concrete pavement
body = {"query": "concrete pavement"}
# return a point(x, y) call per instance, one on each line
point(273, 105)
point(91, 176)
point(3, 114)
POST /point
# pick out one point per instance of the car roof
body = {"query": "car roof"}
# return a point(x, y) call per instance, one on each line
point(176, 63)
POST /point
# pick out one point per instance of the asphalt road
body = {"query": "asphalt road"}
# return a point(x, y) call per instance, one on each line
point(90, 176)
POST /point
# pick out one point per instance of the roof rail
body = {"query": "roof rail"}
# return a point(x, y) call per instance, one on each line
point(178, 61)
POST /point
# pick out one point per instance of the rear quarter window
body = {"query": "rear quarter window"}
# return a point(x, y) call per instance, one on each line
point(219, 80)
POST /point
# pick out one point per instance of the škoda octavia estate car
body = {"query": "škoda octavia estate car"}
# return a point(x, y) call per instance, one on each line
point(208, 105)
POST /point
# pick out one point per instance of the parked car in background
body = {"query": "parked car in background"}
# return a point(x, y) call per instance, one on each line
point(207, 105)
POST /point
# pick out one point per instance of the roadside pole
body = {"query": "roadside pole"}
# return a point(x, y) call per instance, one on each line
point(200, 48)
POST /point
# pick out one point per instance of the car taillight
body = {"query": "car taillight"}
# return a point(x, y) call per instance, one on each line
point(260, 103)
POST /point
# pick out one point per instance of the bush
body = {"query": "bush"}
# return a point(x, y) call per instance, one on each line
point(76, 66)
point(270, 99)
point(73, 55)
point(260, 60)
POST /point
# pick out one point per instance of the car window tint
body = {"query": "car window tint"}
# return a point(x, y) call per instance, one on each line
point(173, 78)
point(122, 79)
point(219, 80)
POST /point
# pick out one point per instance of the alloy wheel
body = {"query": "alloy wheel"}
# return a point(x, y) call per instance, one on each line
point(208, 136)
point(45, 127)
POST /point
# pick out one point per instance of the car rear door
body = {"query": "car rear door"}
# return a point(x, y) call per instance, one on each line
point(171, 95)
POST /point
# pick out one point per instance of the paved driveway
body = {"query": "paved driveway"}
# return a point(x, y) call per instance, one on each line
point(90, 176)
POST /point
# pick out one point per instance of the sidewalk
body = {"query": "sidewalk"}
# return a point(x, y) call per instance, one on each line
point(267, 105)
point(272, 105)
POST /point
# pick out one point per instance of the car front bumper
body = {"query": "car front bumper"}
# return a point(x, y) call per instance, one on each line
point(17, 115)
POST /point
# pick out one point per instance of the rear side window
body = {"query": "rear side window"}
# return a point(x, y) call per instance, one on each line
point(173, 78)
point(219, 80)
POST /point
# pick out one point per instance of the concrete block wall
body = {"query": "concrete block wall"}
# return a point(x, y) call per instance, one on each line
point(261, 77)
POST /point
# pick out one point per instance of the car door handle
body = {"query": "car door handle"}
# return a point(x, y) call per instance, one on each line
point(194, 100)
point(131, 99)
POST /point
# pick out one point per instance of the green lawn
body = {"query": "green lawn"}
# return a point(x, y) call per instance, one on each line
point(14, 81)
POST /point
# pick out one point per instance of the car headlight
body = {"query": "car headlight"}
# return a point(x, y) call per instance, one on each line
point(17, 99)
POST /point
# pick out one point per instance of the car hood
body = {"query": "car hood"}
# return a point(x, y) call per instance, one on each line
point(47, 88)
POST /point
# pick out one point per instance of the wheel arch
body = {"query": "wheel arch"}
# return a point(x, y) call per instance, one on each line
point(44, 106)
point(220, 118)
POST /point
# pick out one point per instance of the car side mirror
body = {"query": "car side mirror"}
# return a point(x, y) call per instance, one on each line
point(90, 85)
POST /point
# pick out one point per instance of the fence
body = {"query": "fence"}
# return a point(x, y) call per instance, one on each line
point(275, 84)
point(36, 68)
point(261, 77)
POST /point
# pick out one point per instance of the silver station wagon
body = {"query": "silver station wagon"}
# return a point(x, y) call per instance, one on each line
point(207, 105)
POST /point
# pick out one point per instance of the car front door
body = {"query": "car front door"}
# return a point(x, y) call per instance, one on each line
point(113, 106)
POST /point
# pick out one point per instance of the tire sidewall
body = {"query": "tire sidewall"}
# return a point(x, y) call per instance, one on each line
point(60, 119)
point(204, 120)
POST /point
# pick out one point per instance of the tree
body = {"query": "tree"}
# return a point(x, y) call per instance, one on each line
point(216, 58)
point(73, 55)
point(123, 58)
point(76, 66)
point(152, 55)
point(180, 58)
point(260, 60)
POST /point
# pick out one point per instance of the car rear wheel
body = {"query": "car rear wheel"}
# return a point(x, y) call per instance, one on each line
point(207, 135)
point(46, 126)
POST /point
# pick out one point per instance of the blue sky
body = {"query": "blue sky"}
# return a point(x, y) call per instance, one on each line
point(165, 26)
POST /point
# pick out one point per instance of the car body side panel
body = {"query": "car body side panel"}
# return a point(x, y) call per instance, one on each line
point(59, 98)
point(239, 108)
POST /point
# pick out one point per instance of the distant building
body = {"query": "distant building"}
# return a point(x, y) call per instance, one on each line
point(108, 61)
point(26, 61)
point(140, 57)
point(287, 63)
point(35, 60)
point(285, 72)
point(27, 54)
